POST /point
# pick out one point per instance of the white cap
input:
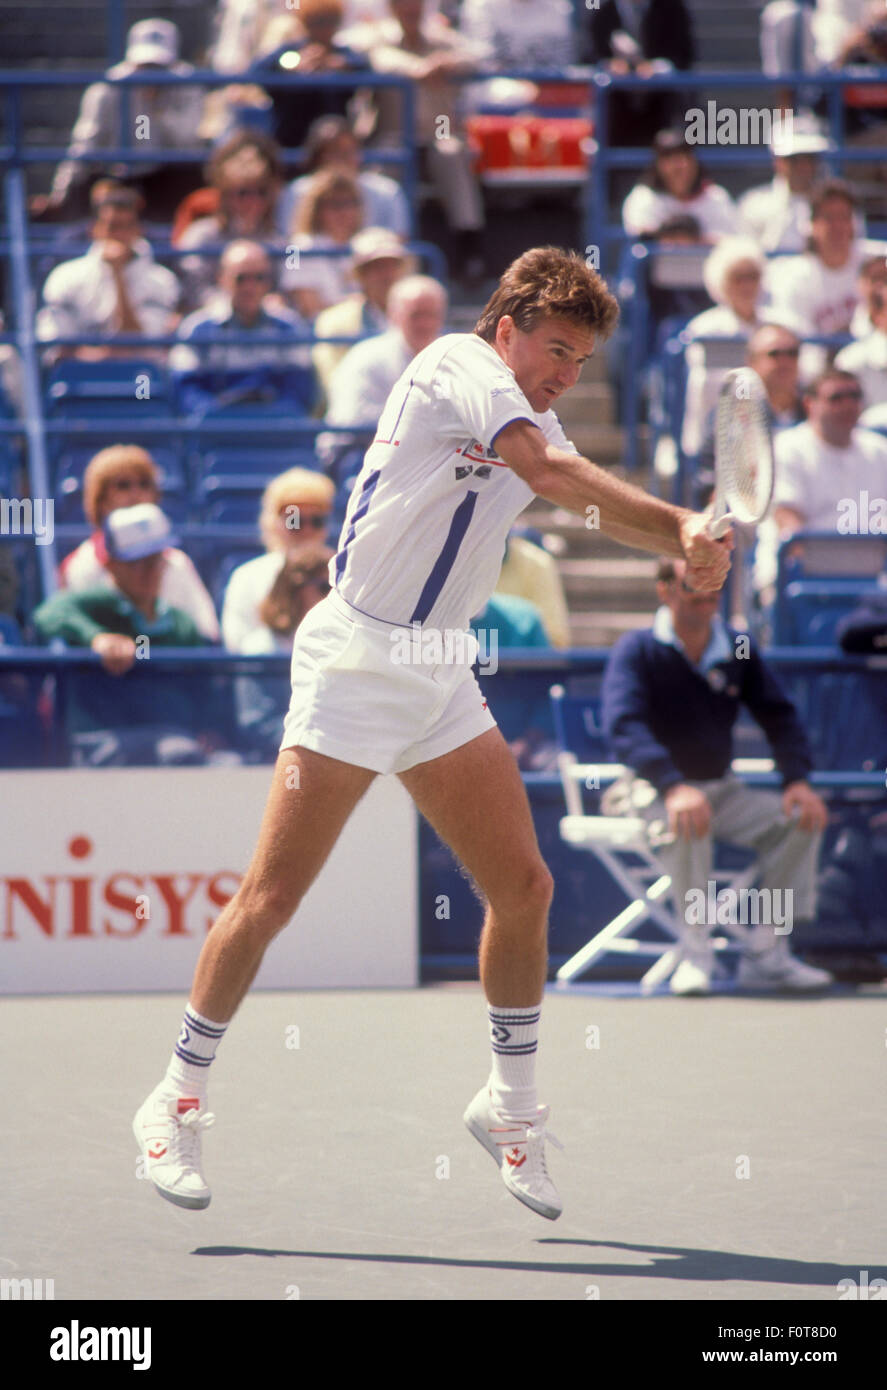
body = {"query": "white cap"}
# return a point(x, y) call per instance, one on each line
point(131, 533)
point(377, 244)
point(152, 41)
point(799, 135)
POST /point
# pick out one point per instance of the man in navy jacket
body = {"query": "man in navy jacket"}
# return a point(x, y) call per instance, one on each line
point(671, 695)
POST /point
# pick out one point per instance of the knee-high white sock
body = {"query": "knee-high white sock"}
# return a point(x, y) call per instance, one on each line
point(188, 1069)
point(513, 1037)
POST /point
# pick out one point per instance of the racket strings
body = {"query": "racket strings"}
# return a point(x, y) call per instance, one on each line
point(745, 467)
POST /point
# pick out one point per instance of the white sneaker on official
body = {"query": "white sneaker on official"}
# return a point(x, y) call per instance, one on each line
point(696, 965)
point(776, 968)
point(518, 1147)
point(168, 1129)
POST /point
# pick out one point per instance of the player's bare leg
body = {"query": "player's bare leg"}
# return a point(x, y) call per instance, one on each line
point(311, 798)
point(475, 800)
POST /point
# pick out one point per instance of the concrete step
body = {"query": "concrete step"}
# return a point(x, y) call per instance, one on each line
point(603, 629)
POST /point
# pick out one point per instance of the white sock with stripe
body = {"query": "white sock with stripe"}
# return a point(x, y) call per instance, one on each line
point(514, 1037)
point(188, 1069)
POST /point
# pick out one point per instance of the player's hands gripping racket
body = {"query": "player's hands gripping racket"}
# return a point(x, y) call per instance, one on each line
point(743, 453)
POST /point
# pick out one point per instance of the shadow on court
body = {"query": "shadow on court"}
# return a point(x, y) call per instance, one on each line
point(676, 1262)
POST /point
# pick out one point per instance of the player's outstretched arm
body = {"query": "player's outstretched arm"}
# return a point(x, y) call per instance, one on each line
point(625, 513)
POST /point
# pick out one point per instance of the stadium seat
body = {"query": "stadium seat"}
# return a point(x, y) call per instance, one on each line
point(116, 387)
point(820, 578)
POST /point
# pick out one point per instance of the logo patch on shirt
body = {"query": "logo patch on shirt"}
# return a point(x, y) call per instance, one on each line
point(479, 453)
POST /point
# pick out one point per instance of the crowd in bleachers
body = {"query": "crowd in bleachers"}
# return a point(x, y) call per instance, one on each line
point(278, 302)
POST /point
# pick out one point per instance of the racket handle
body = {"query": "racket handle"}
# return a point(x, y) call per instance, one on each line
point(719, 526)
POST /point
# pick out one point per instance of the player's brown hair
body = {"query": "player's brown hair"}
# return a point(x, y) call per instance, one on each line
point(108, 464)
point(548, 282)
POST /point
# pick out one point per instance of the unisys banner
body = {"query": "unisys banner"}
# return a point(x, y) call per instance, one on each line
point(110, 880)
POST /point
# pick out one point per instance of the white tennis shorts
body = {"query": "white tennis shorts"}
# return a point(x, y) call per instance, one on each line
point(368, 693)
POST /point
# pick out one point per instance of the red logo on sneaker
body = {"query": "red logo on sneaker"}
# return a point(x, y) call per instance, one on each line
point(515, 1162)
point(158, 1154)
point(187, 1103)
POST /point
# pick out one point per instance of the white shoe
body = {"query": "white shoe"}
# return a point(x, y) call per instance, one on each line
point(518, 1146)
point(696, 966)
point(777, 969)
point(167, 1129)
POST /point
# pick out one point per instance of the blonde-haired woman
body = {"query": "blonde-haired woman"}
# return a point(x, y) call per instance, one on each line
point(328, 216)
point(733, 276)
point(295, 514)
point(122, 476)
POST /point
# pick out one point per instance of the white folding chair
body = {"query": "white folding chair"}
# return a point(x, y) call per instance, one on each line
point(620, 844)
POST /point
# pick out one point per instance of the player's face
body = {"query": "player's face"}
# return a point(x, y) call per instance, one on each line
point(546, 361)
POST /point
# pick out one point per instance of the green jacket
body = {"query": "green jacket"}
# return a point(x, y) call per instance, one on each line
point(77, 618)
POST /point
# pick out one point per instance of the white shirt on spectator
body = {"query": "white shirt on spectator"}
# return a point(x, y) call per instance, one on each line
point(867, 360)
point(813, 478)
point(80, 296)
point(822, 299)
point(249, 586)
point(645, 209)
point(360, 385)
point(180, 584)
point(778, 219)
point(521, 33)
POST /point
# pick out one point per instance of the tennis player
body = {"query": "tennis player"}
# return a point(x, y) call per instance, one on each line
point(466, 439)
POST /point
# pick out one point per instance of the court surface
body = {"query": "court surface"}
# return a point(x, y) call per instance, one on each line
point(341, 1169)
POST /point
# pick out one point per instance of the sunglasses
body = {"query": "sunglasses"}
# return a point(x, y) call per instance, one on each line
point(242, 193)
point(244, 277)
point(783, 352)
point(339, 204)
point(848, 395)
point(317, 523)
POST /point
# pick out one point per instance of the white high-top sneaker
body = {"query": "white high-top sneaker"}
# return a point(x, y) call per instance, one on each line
point(774, 967)
point(167, 1129)
point(696, 966)
point(518, 1146)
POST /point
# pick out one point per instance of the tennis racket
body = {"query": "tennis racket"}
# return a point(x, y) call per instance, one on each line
point(743, 453)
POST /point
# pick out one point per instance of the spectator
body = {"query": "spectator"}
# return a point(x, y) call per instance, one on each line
point(865, 48)
point(733, 273)
point(295, 516)
point(360, 385)
point(380, 260)
point(671, 695)
point(675, 288)
point(330, 213)
point(119, 477)
point(173, 114)
point(332, 144)
point(643, 38)
point(142, 720)
point(245, 175)
point(211, 373)
point(872, 279)
point(675, 186)
point(824, 462)
point(867, 358)
point(819, 288)
point(307, 41)
point(774, 352)
point(530, 573)
point(521, 33)
point(117, 287)
point(424, 48)
point(777, 215)
point(301, 582)
point(109, 616)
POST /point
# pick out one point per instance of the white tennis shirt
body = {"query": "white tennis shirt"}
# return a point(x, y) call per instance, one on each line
point(424, 534)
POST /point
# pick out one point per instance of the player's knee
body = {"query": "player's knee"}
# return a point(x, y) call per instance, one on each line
point(265, 910)
point(531, 892)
